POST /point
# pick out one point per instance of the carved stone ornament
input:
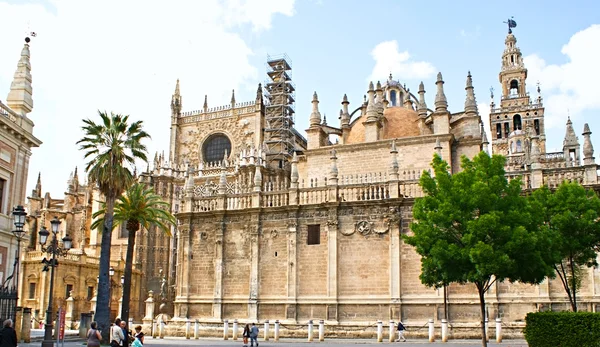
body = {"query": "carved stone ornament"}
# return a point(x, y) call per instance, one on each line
point(364, 227)
point(274, 233)
point(203, 235)
point(332, 222)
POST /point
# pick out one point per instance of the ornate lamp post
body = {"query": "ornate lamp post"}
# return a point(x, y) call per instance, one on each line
point(54, 250)
point(111, 273)
point(19, 215)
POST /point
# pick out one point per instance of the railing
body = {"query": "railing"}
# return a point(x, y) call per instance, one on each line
point(378, 191)
point(313, 195)
point(250, 104)
point(239, 202)
point(410, 190)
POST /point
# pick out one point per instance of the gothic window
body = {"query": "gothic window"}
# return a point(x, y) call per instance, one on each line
point(68, 290)
point(32, 290)
point(514, 88)
point(536, 126)
point(517, 122)
point(519, 146)
point(498, 131)
point(215, 147)
point(123, 233)
point(393, 99)
point(314, 235)
point(506, 129)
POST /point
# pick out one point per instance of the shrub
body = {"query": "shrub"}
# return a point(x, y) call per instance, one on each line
point(562, 329)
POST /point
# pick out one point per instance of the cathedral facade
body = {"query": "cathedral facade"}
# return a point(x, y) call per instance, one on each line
point(275, 225)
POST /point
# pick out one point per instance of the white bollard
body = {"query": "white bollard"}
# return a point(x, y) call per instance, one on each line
point(162, 329)
point(267, 330)
point(235, 329)
point(379, 331)
point(276, 332)
point(188, 329)
point(444, 330)
point(321, 330)
point(196, 329)
point(154, 329)
point(310, 330)
point(487, 332)
point(498, 330)
point(391, 331)
point(431, 331)
point(225, 329)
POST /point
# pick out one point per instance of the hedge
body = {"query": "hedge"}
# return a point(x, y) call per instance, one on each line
point(562, 329)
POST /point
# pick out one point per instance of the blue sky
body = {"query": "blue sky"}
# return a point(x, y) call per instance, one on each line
point(81, 63)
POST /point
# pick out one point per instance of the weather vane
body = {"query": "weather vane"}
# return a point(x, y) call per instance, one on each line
point(511, 24)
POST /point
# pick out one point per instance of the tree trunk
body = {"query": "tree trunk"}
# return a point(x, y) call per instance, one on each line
point(102, 315)
point(128, 270)
point(573, 285)
point(481, 291)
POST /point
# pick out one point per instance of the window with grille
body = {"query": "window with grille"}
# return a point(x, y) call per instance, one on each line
point(215, 147)
point(314, 235)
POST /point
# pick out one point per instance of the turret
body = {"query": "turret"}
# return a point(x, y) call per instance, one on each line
point(470, 102)
point(422, 109)
point(571, 145)
point(315, 116)
point(20, 97)
point(588, 148)
point(371, 123)
point(441, 117)
point(205, 106)
point(176, 104)
point(316, 135)
point(232, 98)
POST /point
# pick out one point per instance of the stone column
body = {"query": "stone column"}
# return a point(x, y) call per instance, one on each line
point(69, 313)
point(18, 322)
point(254, 244)
point(218, 292)
point(332, 264)
point(149, 309)
point(184, 268)
point(26, 326)
point(292, 275)
point(392, 223)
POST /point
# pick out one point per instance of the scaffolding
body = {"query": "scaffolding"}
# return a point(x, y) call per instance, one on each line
point(279, 109)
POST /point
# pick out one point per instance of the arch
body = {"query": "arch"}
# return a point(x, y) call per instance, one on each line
point(498, 130)
point(517, 123)
point(519, 146)
point(514, 87)
point(215, 147)
point(393, 98)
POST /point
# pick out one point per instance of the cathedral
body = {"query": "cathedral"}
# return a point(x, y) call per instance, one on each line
point(277, 225)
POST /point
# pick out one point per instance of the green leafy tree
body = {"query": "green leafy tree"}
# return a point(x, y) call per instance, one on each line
point(139, 206)
point(476, 227)
point(572, 213)
point(110, 148)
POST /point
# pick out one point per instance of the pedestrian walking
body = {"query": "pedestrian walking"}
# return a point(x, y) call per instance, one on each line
point(253, 335)
point(93, 336)
point(401, 330)
point(246, 335)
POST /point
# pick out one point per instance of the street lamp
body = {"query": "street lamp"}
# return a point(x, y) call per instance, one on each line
point(19, 215)
point(54, 250)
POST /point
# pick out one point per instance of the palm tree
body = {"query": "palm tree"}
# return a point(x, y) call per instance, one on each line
point(110, 148)
point(139, 206)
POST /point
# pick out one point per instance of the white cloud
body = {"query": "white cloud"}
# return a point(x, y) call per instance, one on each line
point(119, 56)
point(389, 59)
point(570, 87)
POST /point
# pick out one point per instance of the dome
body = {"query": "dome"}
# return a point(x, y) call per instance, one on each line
point(401, 122)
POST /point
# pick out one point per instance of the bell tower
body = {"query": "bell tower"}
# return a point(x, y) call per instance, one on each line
point(517, 112)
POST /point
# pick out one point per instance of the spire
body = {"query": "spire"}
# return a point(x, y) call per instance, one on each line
point(205, 107)
point(407, 102)
point(371, 112)
point(315, 116)
point(484, 140)
point(37, 191)
point(570, 137)
point(441, 104)
point(588, 148)
point(259, 93)
point(76, 180)
point(177, 88)
point(232, 98)
point(422, 107)
point(470, 103)
point(19, 97)
point(344, 115)
point(492, 104)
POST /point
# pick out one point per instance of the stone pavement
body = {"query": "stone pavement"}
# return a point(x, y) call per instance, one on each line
point(208, 342)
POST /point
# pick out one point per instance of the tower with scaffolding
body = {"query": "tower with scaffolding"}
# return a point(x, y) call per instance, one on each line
point(279, 110)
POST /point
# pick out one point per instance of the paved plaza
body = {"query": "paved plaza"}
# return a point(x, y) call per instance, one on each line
point(302, 343)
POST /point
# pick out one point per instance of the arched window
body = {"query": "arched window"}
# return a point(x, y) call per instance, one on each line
point(512, 147)
point(519, 146)
point(514, 88)
point(215, 147)
point(393, 98)
point(517, 122)
point(498, 130)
